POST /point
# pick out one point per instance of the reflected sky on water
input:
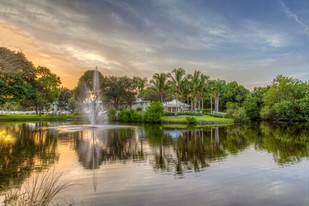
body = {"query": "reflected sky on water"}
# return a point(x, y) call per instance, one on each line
point(256, 164)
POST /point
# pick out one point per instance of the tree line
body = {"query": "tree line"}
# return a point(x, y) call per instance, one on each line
point(26, 87)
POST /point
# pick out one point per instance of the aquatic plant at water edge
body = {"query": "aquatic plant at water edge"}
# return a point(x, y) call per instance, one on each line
point(40, 191)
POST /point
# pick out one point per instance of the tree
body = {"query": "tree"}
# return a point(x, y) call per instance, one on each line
point(217, 87)
point(198, 85)
point(282, 99)
point(284, 88)
point(119, 90)
point(17, 77)
point(186, 91)
point(47, 85)
point(85, 84)
point(252, 108)
point(234, 93)
point(195, 86)
point(139, 84)
point(159, 83)
point(64, 97)
point(177, 77)
point(150, 94)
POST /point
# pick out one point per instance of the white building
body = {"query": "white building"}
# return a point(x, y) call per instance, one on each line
point(176, 105)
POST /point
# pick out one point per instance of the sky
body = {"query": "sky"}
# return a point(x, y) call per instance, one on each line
point(248, 41)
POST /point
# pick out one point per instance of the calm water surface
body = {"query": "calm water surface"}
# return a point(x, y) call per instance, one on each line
point(255, 164)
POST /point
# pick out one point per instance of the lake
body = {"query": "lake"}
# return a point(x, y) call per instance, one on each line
point(252, 164)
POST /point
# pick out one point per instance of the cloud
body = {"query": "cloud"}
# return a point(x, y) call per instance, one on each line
point(293, 16)
point(139, 39)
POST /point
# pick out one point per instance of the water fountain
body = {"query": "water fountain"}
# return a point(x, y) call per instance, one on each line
point(93, 101)
point(93, 109)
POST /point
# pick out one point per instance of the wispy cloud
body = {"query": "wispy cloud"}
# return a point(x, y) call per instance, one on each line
point(293, 16)
point(143, 37)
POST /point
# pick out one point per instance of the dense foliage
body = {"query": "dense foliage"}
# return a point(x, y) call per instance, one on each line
point(154, 112)
point(17, 76)
point(22, 86)
point(286, 99)
point(129, 115)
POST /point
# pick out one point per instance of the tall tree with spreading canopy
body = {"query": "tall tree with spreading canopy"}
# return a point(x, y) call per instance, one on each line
point(286, 99)
point(17, 77)
point(85, 83)
point(47, 85)
point(235, 92)
point(64, 97)
point(119, 90)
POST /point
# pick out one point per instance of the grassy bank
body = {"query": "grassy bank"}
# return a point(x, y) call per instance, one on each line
point(201, 120)
point(205, 119)
point(34, 117)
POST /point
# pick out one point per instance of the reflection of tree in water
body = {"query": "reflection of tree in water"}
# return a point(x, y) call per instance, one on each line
point(194, 149)
point(186, 151)
point(107, 146)
point(24, 147)
point(288, 143)
point(239, 137)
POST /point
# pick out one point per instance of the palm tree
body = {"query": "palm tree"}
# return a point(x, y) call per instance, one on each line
point(177, 77)
point(195, 82)
point(139, 84)
point(217, 88)
point(159, 82)
point(186, 90)
point(203, 87)
point(198, 81)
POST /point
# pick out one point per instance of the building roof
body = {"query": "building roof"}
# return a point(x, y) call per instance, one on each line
point(175, 103)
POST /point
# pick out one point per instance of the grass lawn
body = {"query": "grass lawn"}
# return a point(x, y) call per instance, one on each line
point(200, 119)
point(34, 117)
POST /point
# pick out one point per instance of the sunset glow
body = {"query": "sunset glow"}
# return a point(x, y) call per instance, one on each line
point(244, 41)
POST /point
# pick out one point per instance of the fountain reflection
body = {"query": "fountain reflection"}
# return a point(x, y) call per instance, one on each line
point(28, 146)
point(95, 147)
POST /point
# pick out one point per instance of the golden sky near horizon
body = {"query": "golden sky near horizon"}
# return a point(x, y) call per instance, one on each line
point(17, 40)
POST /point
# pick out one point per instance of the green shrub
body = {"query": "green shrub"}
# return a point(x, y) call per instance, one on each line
point(237, 113)
point(197, 113)
point(183, 113)
point(287, 110)
point(169, 114)
point(251, 106)
point(303, 108)
point(136, 116)
point(124, 115)
point(129, 115)
point(112, 114)
point(191, 120)
point(206, 111)
point(154, 112)
point(219, 114)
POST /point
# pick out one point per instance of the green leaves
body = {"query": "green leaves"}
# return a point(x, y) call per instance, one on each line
point(154, 112)
point(16, 76)
point(286, 99)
